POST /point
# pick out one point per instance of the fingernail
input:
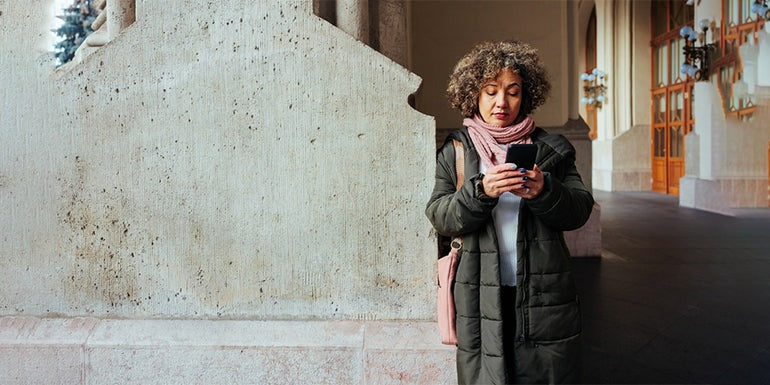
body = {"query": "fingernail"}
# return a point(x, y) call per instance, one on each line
point(524, 178)
point(523, 185)
point(523, 170)
point(513, 166)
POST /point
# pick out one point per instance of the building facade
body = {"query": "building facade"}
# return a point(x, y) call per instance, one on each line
point(233, 191)
point(657, 128)
point(703, 140)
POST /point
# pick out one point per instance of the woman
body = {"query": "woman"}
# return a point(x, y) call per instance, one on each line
point(518, 319)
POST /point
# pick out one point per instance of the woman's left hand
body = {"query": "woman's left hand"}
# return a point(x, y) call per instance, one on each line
point(532, 186)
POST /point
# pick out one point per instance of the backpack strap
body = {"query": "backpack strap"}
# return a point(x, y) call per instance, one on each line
point(459, 162)
point(457, 242)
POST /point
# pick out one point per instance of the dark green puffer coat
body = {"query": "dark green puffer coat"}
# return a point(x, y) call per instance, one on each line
point(548, 326)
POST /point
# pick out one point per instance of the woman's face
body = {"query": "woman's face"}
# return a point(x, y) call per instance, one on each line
point(500, 98)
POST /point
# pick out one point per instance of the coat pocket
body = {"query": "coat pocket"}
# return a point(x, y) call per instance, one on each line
point(555, 322)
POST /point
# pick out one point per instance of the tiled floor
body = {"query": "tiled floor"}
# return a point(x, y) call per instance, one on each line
point(679, 296)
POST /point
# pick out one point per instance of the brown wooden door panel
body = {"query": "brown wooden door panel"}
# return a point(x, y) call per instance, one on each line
point(658, 142)
point(675, 171)
point(659, 175)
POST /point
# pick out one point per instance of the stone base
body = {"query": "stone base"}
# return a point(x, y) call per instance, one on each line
point(623, 162)
point(722, 195)
point(614, 180)
point(93, 351)
point(703, 195)
point(587, 240)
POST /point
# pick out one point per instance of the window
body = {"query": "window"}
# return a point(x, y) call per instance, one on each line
point(738, 26)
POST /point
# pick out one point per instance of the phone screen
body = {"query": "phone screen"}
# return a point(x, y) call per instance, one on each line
point(523, 155)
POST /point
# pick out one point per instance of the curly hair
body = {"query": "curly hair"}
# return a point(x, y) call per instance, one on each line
point(485, 61)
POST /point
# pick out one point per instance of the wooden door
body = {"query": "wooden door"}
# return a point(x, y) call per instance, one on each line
point(675, 137)
point(659, 142)
point(671, 95)
point(672, 120)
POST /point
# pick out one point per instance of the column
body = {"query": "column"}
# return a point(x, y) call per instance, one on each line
point(573, 79)
point(392, 30)
point(353, 18)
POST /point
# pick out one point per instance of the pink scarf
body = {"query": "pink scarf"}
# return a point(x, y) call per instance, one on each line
point(487, 138)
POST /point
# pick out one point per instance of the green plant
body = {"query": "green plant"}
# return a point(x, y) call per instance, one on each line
point(77, 18)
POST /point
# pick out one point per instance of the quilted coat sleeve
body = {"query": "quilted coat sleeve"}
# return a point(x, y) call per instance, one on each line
point(567, 204)
point(456, 212)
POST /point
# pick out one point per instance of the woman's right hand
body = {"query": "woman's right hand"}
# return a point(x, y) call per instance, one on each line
point(502, 178)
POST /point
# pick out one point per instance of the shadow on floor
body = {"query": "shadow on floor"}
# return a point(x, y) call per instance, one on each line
point(679, 296)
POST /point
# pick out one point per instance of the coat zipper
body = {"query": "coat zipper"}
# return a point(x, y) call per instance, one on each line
point(524, 327)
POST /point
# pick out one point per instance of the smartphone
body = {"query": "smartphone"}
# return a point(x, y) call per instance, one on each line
point(523, 155)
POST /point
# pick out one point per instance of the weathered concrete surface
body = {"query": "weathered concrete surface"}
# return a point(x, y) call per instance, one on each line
point(238, 160)
point(587, 240)
point(728, 166)
point(622, 163)
point(91, 351)
point(43, 351)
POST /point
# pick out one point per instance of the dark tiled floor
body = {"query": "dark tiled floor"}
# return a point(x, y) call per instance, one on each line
point(679, 296)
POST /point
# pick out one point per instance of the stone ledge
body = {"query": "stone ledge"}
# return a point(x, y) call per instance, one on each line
point(94, 332)
point(32, 331)
point(91, 350)
point(154, 333)
point(722, 196)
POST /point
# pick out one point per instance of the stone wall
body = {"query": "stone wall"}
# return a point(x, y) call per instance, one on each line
point(215, 160)
point(727, 158)
point(623, 162)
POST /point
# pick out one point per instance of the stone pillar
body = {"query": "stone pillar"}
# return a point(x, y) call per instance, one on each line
point(325, 9)
point(704, 127)
point(353, 18)
point(605, 36)
point(587, 240)
point(602, 146)
point(575, 36)
point(576, 131)
point(392, 30)
point(640, 66)
point(613, 47)
point(621, 159)
point(699, 188)
point(702, 104)
point(620, 76)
